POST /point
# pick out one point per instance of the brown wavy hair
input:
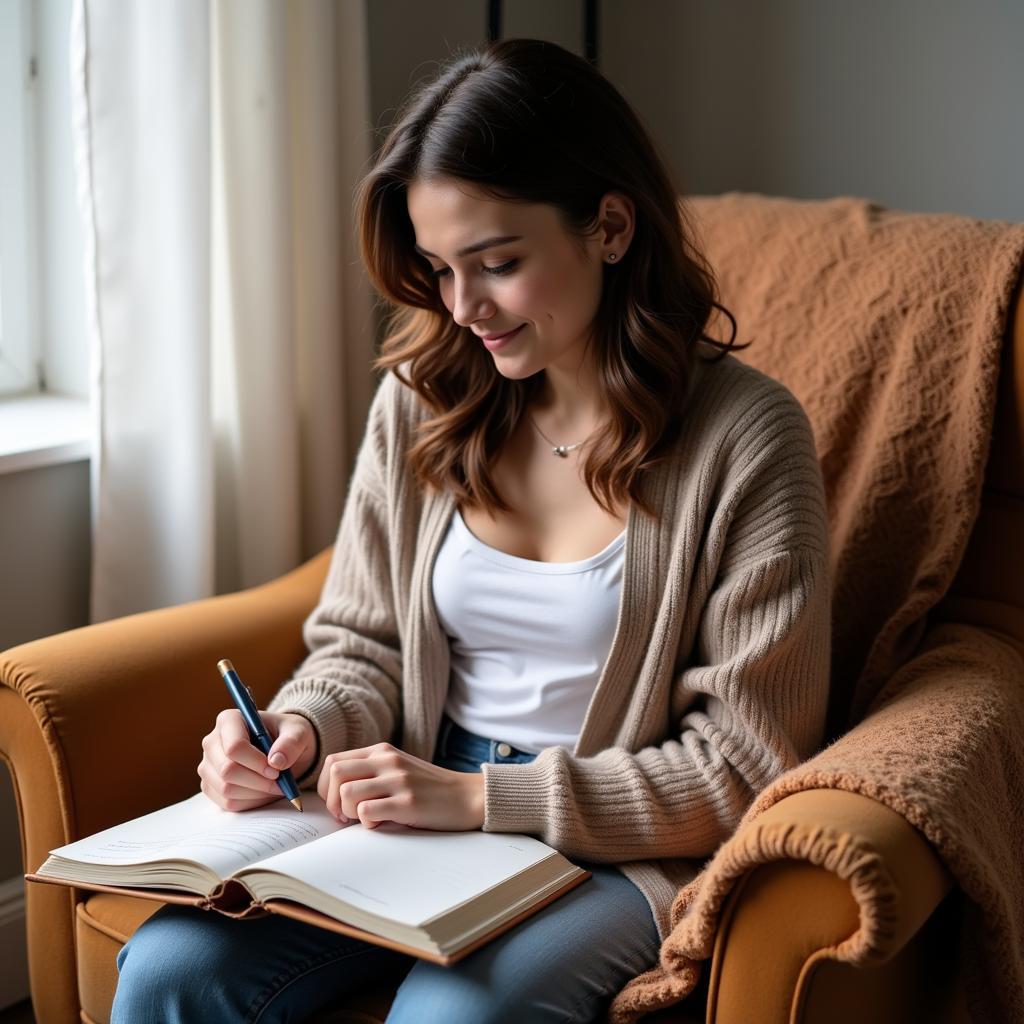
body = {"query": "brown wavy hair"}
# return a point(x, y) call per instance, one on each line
point(527, 121)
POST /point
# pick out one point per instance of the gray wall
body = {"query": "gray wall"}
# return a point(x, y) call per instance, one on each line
point(44, 551)
point(432, 32)
point(916, 104)
point(44, 566)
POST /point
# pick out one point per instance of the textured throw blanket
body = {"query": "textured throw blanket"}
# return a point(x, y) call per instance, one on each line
point(888, 328)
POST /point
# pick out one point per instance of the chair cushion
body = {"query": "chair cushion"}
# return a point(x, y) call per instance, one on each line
point(106, 920)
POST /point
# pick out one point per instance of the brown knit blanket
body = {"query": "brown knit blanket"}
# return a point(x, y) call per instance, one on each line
point(888, 327)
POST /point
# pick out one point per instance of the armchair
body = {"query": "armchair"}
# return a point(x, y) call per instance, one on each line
point(74, 704)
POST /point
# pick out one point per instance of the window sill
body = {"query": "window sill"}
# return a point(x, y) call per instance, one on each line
point(43, 430)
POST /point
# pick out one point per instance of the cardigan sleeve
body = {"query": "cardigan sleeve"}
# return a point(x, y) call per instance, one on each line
point(349, 684)
point(750, 695)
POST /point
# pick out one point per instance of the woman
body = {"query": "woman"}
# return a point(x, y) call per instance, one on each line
point(580, 586)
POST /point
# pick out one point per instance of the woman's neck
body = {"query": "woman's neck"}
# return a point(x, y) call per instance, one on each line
point(570, 401)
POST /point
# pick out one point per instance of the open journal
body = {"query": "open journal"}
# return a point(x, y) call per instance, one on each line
point(434, 895)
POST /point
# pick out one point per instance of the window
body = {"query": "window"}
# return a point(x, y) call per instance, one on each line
point(19, 306)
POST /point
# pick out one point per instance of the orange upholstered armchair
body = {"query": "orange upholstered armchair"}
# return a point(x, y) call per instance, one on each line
point(72, 708)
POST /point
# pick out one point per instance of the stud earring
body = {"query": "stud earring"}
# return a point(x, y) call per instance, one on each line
point(611, 257)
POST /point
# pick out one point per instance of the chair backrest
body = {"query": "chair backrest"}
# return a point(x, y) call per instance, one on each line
point(888, 327)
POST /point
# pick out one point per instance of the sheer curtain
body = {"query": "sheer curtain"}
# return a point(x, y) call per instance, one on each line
point(217, 144)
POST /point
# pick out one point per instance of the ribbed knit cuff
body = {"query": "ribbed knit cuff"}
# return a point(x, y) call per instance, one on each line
point(514, 796)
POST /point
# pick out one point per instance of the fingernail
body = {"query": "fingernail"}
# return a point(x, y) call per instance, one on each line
point(277, 759)
point(271, 773)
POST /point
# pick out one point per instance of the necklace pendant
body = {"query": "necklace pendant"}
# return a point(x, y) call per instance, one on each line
point(561, 450)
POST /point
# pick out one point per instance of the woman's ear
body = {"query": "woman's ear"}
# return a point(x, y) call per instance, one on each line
point(616, 220)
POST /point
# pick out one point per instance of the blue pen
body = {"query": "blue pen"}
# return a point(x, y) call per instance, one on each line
point(242, 696)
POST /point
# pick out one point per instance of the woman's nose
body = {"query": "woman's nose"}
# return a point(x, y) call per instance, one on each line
point(470, 303)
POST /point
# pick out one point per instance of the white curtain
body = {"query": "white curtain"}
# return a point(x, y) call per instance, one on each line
point(217, 144)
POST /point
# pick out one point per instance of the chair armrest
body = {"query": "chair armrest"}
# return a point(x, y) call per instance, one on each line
point(784, 919)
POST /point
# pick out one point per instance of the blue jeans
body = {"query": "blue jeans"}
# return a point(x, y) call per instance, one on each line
point(565, 963)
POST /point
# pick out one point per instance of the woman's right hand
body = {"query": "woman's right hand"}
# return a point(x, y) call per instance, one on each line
point(237, 775)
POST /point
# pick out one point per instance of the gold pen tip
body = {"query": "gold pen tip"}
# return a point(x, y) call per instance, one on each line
point(298, 803)
point(225, 666)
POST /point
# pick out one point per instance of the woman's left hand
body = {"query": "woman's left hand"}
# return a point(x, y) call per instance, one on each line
point(383, 783)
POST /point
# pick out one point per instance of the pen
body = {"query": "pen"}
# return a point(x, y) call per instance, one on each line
point(242, 696)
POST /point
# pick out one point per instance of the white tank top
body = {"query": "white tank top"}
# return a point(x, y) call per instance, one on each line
point(528, 639)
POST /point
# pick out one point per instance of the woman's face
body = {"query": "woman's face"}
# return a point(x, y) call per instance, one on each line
point(531, 276)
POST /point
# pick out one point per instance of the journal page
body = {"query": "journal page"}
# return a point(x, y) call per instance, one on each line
point(199, 831)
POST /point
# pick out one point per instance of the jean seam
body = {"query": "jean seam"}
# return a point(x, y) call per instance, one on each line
point(305, 967)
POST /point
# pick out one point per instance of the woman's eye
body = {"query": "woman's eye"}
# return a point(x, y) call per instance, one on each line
point(505, 268)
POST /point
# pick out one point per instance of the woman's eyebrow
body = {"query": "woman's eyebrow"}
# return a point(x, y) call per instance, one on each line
point(487, 243)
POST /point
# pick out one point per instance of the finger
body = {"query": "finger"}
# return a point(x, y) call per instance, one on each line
point(336, 774)
point(364, 763)
point(374, 812)
point(352, 795)
point(231, 803)
point(291, 742)
point(330, 780)
point(234, 741)
point(375, 748)
point(323, 783)
point(223, 771)
point(336, 769)
point(223, 791)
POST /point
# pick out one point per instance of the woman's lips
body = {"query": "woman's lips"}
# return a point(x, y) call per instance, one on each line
point(501, 340)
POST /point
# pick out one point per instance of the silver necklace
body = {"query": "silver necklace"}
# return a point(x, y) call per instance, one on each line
point(561, 450)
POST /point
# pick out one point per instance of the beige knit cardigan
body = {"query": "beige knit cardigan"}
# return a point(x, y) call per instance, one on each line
point(716, 682)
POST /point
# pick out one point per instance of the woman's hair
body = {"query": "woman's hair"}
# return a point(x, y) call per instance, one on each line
point(527, 121)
